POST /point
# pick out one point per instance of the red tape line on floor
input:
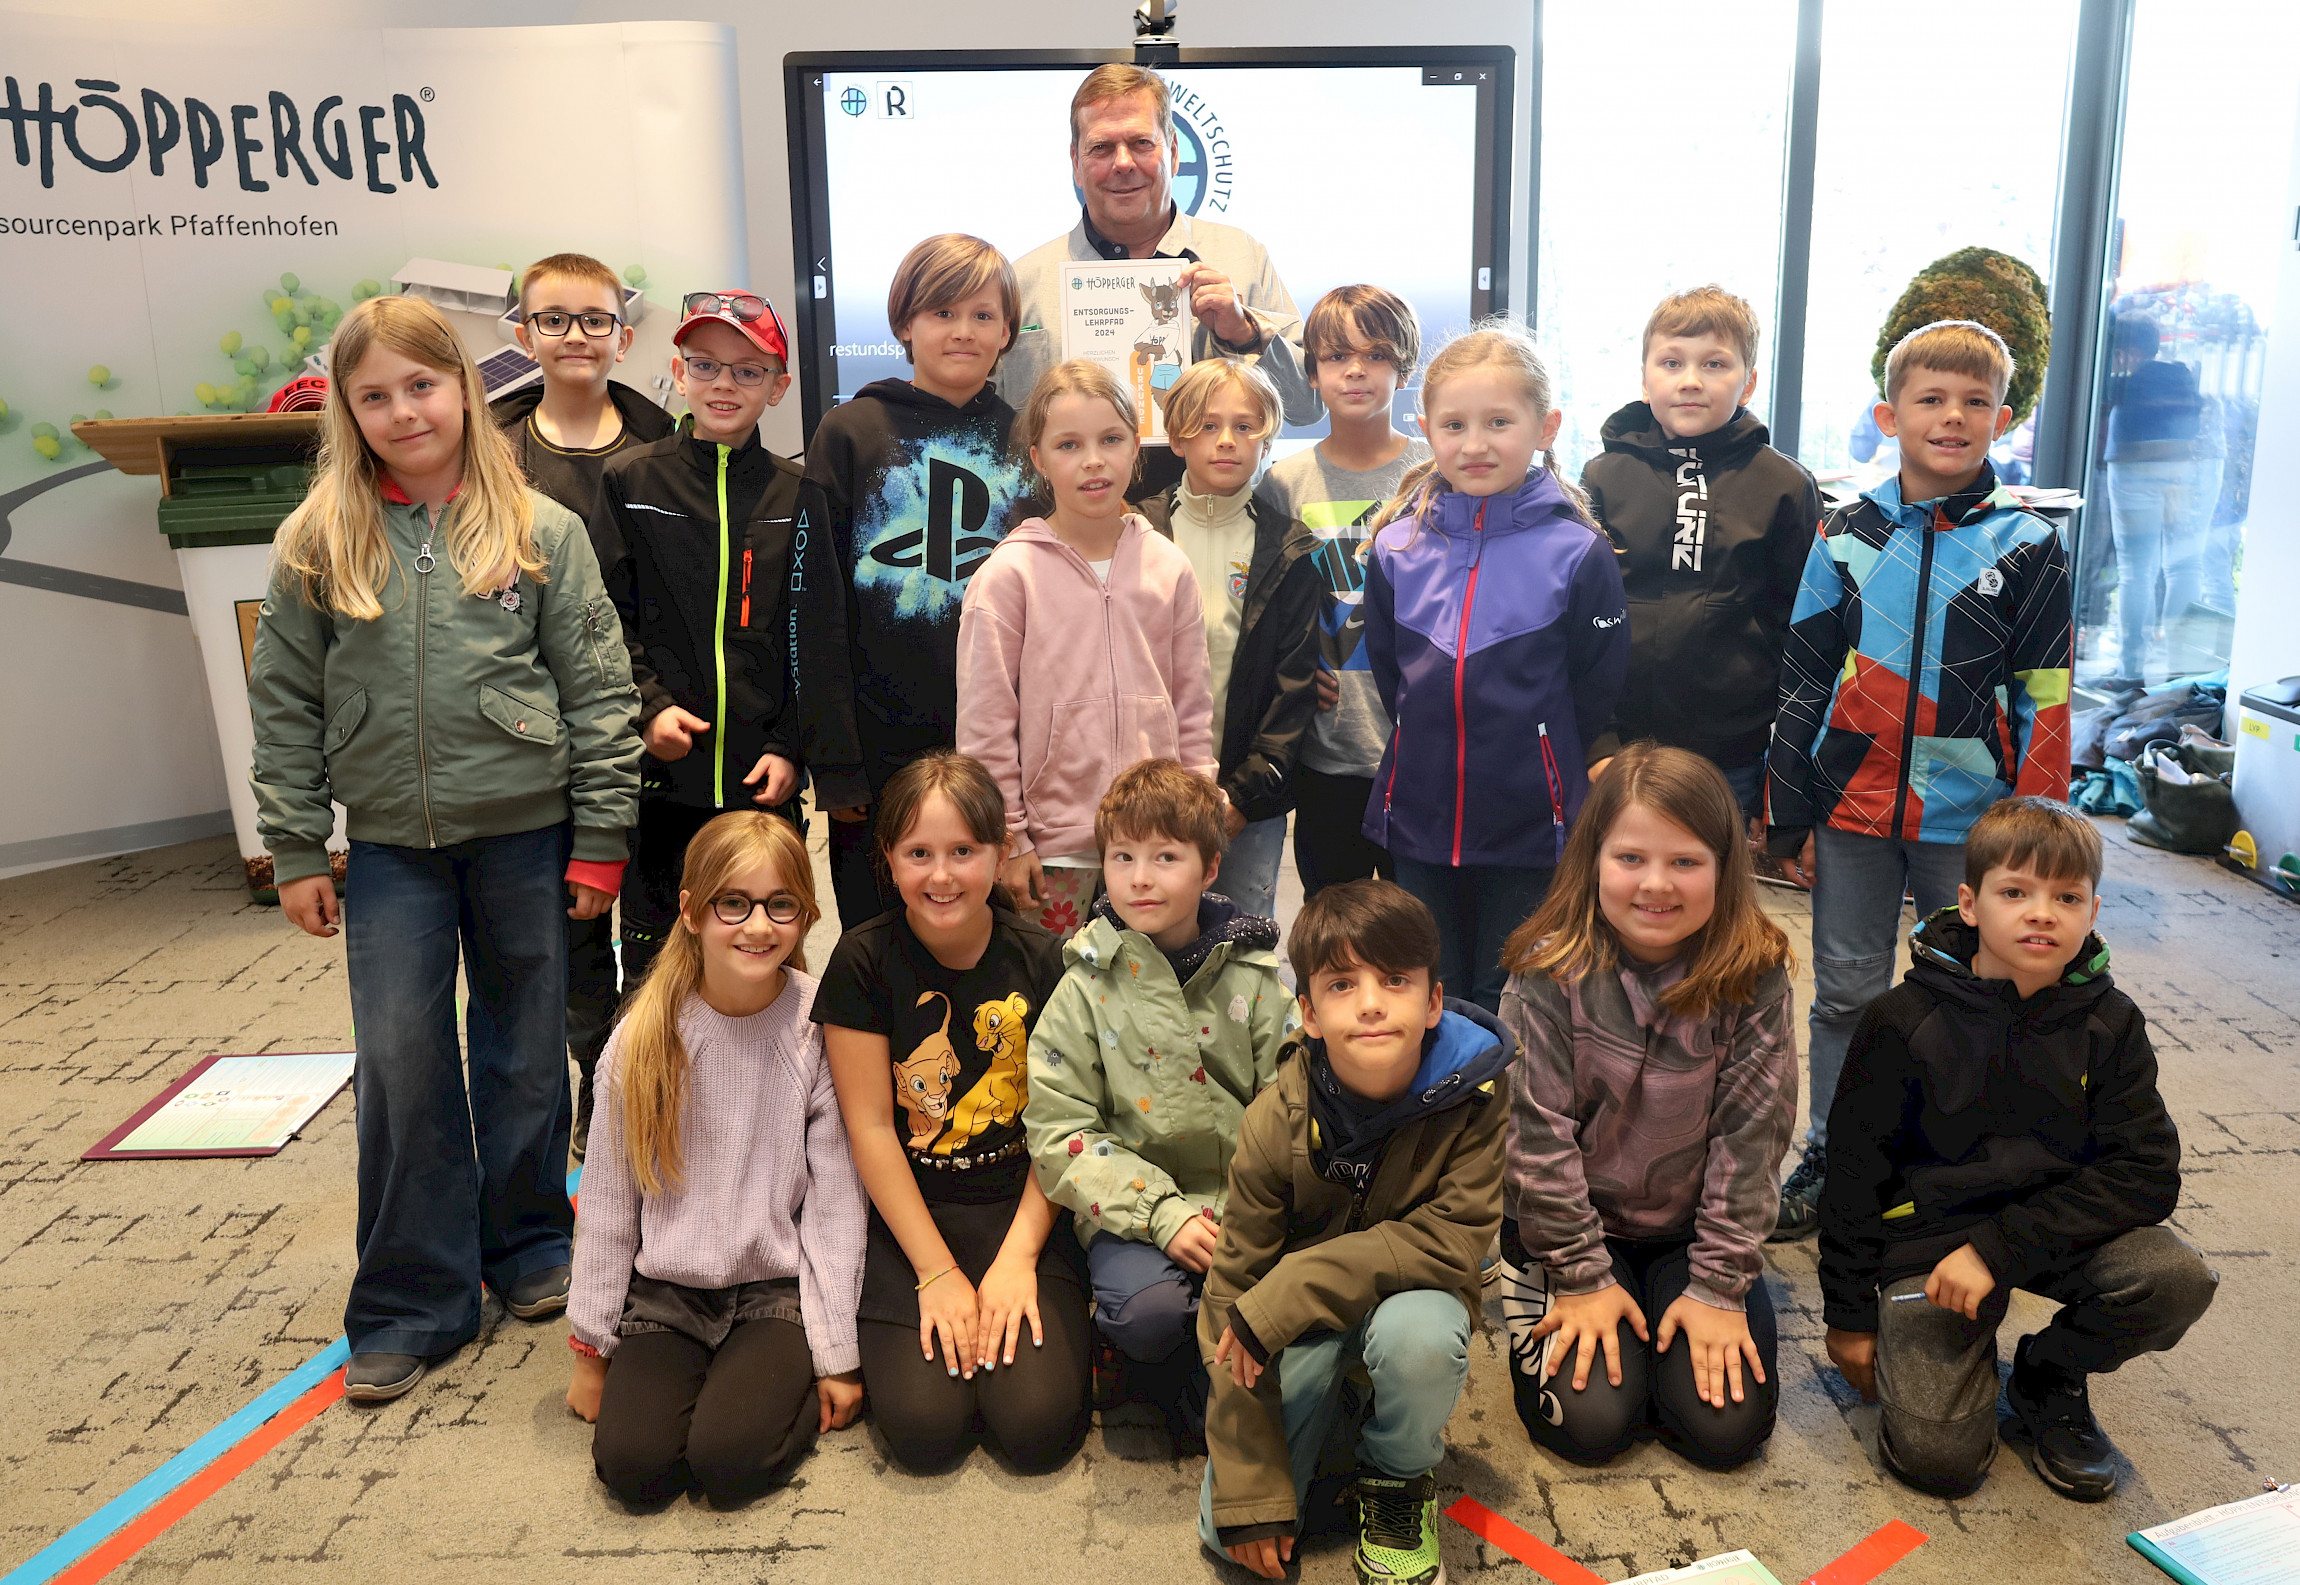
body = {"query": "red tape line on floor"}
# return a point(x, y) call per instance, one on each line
point(1882, 1549)
point(1539, 1556)
point(148, 1526)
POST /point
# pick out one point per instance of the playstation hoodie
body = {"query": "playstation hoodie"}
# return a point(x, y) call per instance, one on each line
point(917, 493)
point(1712, 532)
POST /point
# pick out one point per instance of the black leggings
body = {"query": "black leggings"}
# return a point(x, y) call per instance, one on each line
point(1601, 1421)
point(1035, 1410)
point(730, 1422)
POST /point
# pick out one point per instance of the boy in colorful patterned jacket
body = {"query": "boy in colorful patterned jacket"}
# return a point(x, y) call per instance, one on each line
point(1927, 676)
point(1168, 1021)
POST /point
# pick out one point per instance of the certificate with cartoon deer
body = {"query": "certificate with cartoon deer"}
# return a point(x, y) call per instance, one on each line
point(1132, 317)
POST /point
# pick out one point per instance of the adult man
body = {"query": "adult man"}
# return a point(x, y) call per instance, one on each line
point(1122, 148)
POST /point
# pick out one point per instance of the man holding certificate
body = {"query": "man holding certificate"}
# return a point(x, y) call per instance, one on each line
point(1122, 157)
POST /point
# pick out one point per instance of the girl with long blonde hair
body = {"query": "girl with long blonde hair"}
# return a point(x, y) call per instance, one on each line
point(436, 653)
point(1498, 636)
point(722, 1252)
point(1654, 1093)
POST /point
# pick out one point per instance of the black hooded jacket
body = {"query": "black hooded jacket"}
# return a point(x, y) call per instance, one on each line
point(732, 608)
point(918, 494)
point(1712, 534)
point(2030, 1128)
point(572, 477)
point(1273, 671)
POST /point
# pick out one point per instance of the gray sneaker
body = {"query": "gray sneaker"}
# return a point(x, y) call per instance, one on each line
point(538, 1294)
point(379, 1378)
point(1801, 1198)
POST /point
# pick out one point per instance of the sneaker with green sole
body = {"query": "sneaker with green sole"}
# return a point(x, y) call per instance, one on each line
point(1397, 1529)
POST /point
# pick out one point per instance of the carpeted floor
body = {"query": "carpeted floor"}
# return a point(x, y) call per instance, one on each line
point(141, 1303)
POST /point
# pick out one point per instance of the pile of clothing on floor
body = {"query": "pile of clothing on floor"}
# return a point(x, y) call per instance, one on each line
point(2152, 754)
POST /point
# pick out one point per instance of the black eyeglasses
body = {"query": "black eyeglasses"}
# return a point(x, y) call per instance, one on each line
point(707, 369)
point(554, 322)
point(745, 306)
point(733, 908)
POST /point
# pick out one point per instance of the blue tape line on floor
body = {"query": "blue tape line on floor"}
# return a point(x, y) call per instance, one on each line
point(91, 1532)
point(123, 1510)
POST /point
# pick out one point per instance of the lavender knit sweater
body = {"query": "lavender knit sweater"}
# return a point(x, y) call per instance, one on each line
point(1632, 1121)
point(769, 1188)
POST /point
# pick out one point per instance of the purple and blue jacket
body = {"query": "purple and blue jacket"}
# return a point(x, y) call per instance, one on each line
point(1498, 634)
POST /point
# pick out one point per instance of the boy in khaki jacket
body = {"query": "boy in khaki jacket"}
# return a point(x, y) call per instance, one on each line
point(1170, 1018)
point(1365, 1189)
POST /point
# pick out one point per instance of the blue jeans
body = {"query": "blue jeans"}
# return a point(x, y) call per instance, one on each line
point(1748, 784)
point(2159, 511)
point(1477, 906)
point(1857, 892)
point(456, 1187)
point(1250, 869)
point(1416, 1348)
point(1143, 1302)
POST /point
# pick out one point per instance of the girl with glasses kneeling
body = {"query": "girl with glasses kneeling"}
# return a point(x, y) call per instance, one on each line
point(721, 1261)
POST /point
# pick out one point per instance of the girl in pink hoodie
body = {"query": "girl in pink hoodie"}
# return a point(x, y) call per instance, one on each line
point(1081, 646)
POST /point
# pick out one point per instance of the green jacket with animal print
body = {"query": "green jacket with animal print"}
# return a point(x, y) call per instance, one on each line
point(1139, 1076)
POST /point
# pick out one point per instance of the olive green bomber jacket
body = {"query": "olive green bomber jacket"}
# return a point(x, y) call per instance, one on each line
point(452, 716)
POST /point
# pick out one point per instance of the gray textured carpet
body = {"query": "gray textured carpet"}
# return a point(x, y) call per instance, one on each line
point(140, 1303)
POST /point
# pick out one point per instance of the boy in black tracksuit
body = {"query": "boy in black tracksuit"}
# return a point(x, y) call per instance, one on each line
point(1990, 1134)
point(733, 610)
point(917, 493)
point(1273, 672)
point(1712, 526)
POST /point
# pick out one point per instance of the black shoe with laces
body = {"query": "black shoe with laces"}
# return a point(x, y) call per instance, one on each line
point(2067, 1447)
point(1800, 1210)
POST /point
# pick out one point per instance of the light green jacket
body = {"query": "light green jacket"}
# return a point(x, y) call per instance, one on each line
point(451, 716)
point(1137, 1082)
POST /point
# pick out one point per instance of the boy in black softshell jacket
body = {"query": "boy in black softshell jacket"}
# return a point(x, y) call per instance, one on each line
point(716, 555)
point(1712, 526)
point(1989, 1135)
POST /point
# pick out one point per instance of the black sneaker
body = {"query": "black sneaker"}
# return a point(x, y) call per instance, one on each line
point(1801, 1197)
point(538, 1294)
point(1184, 1409)
point(2067, 1447)
point(1397, 1529)
point(379, 1378)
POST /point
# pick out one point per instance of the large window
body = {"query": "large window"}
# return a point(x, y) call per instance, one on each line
point(1931, 139)
point(1661, 147)
point(2192, 265)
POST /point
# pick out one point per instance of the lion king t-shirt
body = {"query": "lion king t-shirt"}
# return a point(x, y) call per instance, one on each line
point(958, 1041)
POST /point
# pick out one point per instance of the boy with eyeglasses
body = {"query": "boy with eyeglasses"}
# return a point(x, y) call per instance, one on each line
point(565, 429)
point(716, 553)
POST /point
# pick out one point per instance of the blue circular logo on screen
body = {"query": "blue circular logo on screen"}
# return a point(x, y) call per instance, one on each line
point(854, 101)
point(1189, 167)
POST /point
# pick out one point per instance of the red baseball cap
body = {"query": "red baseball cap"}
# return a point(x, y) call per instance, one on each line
point(748, 312)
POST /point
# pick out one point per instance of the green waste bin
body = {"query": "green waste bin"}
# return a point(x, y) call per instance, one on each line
point(227, 482)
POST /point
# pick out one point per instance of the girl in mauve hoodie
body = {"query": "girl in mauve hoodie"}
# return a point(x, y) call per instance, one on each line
point(1081, 646)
